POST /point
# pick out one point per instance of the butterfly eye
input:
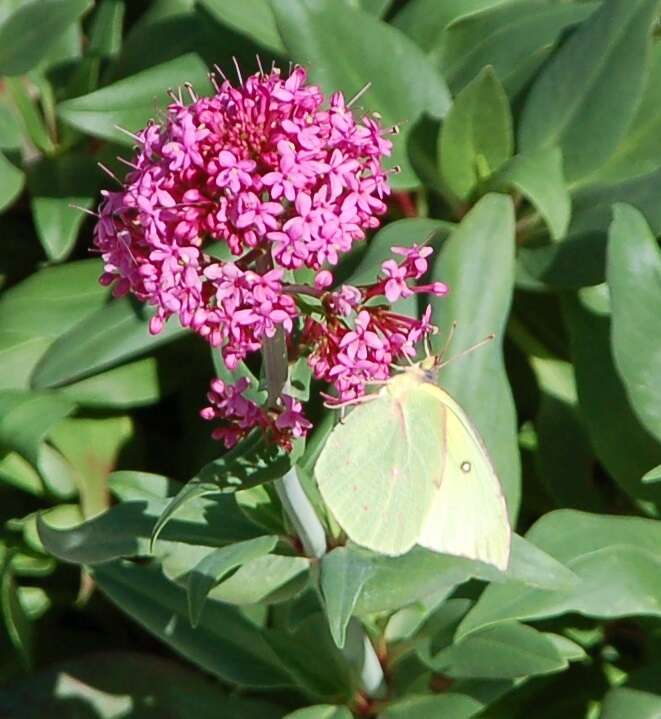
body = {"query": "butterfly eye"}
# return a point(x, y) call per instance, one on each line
point(465, 467)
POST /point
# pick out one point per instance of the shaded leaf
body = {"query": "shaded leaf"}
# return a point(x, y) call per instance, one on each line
point(211, 570)
point(253, 18)
point(634, 280)
point(11, 182)
point(321, 711)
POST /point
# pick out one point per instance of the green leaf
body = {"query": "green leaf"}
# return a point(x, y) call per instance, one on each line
point(640, 151)
point(634, 279)
point(621, 442)
point(92, 447)
point(113, 334)
point(424, 20)
point(403, 83)
point(654, 475)
point(211, 570)
point(253, 18)
point(397, 581)
point(639, 697)
point(15, 618)
point(476, 136)
point(426, 706)
point(56, 184)
point(125, 530)
point(225, 644)
point(515, 38)
point(28, 33)
point(578, 261)
point(133, 384)
point(26, 418)
point(477, 263)
point(320, 711)
point(587, 95)
point(116, 684)
point(504, 651)
point(343, 576)
point(11, 182)
point(539, 178)
point(131, 102)
point(615, 559)
point(106, 30)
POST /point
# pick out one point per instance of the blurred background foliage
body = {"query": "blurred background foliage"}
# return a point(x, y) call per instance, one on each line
point(531, 143)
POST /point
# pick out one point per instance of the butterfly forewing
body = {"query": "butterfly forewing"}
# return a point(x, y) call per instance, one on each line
point(374, 472)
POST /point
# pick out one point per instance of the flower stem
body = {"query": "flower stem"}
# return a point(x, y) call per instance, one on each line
point(302, 515)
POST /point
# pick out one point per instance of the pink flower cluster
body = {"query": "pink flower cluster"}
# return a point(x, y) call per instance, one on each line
point(351, 356)
point(272, 178)
point(265, 168)
point(239, 415)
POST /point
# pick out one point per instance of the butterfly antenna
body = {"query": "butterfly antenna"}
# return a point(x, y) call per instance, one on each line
point(468, 350)
point(446, 346)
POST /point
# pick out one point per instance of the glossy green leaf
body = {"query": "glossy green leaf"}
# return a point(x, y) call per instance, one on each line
point(24, 36)
point(26, 418)
point(428, 706)
point(403, 83)
point(131, 102)
point(115, 333)
point(211, 570)
point(54, 186)
point(476, 136)
point(586, 96)
point(539, 178)
point(634, 280)
point(514, 38)
point(504, 651)
point(343, 576)
point(320, 711)
point(11, 182)
point(224, 644)
point(615, 559)
point(621, 442)
point(253, 18)
point(477, 263)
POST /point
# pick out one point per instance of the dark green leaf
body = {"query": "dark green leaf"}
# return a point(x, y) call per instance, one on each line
point(634, 279)
point(343, 575)
point(225, 644)
point(477, 263)
point(106, 31)
point(403, 83)
point(538, 177)
point(615, 559)
point(587, 95)
point(113, 334)
point(639, 697)
point(211, 570)
point(131, 102)
point(476, 136)
point(14, 615)
point(31, 31)
point(625, 447)
point(11, 182)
